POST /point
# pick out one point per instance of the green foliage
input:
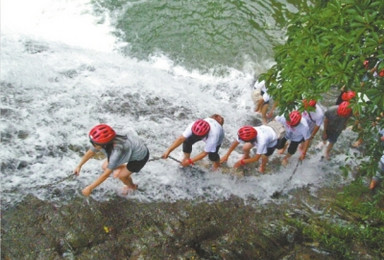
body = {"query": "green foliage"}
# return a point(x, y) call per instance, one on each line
point(326, 48)
point(354, 223)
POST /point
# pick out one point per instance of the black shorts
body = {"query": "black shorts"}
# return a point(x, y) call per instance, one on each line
point(187, 147)
point(136, 166)
point(332, 136)
point(270, 151)
point(292, 145)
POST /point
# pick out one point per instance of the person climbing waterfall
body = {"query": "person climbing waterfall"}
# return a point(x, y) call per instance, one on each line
point(314, 115)
point(297, 131)
point(335, 121)
point(261, 99)
point(209, 130)
point(263, 137)
point(125, 155)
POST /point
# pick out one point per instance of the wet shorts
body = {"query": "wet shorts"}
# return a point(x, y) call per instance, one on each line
point(270, 151)
point(187, 148)
point(136, 166)
point(332, 136)
point(292, 148)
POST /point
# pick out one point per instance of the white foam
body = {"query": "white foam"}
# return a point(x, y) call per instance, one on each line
point(55, 95)
point(66, 21)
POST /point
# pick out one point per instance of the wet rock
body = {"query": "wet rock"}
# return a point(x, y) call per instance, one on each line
point(34, 47)
point(126, 229)
point(22, 134)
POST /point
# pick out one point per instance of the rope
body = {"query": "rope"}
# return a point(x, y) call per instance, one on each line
point(173, 158)
point(195, 167)
point(15, 189)
point(154, 159)
point(293, 173)
point(56, 182)
point(278, 193)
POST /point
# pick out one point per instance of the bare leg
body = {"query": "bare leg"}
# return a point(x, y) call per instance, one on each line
point(259, 106)
point(373, 184)
point(301, 146)
point(285, 159)
point(129, 185)
point(264, 113)
point(118, 171)
point(216, 165)
point(186, 157)
point(125, 176)
point(357, 143)
point(328, 150)
point(264, 161)
point(105, 164)
point(246, 149)
point(282, 150)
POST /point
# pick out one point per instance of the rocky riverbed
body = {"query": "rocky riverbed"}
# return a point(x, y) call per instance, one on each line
point(126, 229)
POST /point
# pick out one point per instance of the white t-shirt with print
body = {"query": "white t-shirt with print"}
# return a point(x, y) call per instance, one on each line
point(266, 138)
point(260, 86)
point(316, 118)
point(297, 133)
point(215, 136)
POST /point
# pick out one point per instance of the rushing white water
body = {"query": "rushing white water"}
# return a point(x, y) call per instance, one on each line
point(60, 76)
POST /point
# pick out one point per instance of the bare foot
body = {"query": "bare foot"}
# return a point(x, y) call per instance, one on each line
point(262, 169)
point(373, 184)
point(284, 162)
point(357, 143)
point(127, 190)
point(319, 146)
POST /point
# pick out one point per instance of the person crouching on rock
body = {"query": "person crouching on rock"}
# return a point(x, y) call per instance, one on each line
point(209, 130)
point(125, 155)
point(335, 121)
point(263, 137)
point(297, 131)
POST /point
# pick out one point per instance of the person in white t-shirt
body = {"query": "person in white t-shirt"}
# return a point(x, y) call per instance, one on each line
point(314, 115)
point(209, 130)
point(296, 131)
point(261, 99)
point(263, 137)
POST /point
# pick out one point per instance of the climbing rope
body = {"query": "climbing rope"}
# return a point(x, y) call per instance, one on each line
point(278, 193)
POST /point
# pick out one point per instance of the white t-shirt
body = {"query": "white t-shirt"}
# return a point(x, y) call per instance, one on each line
point(260, 86)
point(266, 138)
point(214, 138)
point(297, 133)
point(316, 118)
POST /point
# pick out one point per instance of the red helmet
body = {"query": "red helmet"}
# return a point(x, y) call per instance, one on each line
point(294, 118)
point(311, 103)
point(102, 134)
point(247, 133)
point(380, 69)
point(344, 110)
point(346, 96)
point(200, 127)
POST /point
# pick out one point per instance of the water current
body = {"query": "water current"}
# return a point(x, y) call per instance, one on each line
point(147, 68)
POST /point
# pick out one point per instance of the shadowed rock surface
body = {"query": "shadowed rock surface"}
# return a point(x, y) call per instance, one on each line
point(125, 229)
